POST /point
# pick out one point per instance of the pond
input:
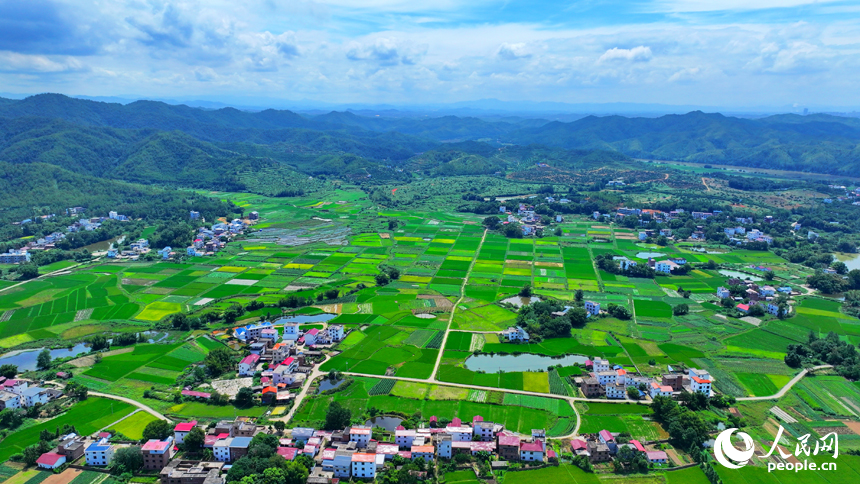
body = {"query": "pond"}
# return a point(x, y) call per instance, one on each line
point(425, 316)
point(649, 255)
point(520, 362)
point(26, 359)
point(852, 261)
point(740, 275)
point(327, 385)
point(155, 336)
point(388, 423)
point(304, 319)
point(521, 301)
point(709, 251)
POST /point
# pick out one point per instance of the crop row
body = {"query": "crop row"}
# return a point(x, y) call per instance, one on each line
point(556, 385)
point(383, 387)
point(436, 342)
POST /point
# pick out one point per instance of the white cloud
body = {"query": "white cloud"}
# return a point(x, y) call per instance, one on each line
point(636, 54)
point(38, 64)
point(513, 51)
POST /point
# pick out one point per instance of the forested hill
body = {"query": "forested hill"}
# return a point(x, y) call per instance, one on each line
point(819, 143)
point(230, 125)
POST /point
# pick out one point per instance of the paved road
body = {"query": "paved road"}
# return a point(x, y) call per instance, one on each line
point(297, 402)
point(454, 309)
point(787, 386)
point(137, 404)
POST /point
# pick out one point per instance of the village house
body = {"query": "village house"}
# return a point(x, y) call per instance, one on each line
point(515, 334)
point(181, 430)
point(157, 453)
point(248, 365)
point(99, 453)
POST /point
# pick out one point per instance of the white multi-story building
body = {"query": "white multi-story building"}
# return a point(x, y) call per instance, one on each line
point(485, 431)
point(99, 453)
point(444, 446)
point(592, 308)
point(182, 429)
point(723, 293)
point(624, 263)
point(665, 266)
point(33, 396)
point(9, 400)
point(248, 365)
point(606, 377)
point(600, 364)
point(404, 438)
point(221, 450)
point(616, 391)
point(459, 433)
point(515, 334)
point(291, 330)
point(360, 435)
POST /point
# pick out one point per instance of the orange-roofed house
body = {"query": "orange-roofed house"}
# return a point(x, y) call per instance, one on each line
point(424, 451)
point(364, 465)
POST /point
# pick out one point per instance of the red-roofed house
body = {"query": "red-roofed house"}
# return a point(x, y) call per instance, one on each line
point(744, 308)
point(578, 444)
point(311, 336)
point(550, 454)
point(700, 385)
point(288, 453)
point(532, 451)
point(157, 453)
point(248, 365)
point(477, 418)
point(483, 447)
point(456, 422)
point(291, 364)
point(182, 429)
point(269, 394)
point(606, 436)
point(51, 460)
point(638, 445)
point(195, 394)
point(433, 421)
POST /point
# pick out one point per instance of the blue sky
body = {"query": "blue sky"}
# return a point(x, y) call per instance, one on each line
point(732, 54)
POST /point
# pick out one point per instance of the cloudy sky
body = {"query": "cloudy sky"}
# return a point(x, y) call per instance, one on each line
point(730, 53)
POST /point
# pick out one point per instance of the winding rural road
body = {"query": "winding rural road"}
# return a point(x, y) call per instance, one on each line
point(137, 404)
point(787, 386)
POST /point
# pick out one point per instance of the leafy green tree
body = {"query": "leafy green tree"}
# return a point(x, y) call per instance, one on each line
point(244, 397)
point(43, 361)
point(633, 393)
point(219, 361)
point(194, 440)
point(8, 370)
point(492, 222)
point(263, 445)
point(337, 417)
point(382, 279)
point(578, 317)
point(157, 429)
point(280, 426)
point(126, 459)
point(27, 271)
point(99, 342)
point(526, 291)
point(578, 295)
point(681, 310)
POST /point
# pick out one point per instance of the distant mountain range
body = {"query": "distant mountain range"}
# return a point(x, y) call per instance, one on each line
point(156, 142)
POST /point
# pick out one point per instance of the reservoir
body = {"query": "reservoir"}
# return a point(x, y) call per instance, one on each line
point(520, 362)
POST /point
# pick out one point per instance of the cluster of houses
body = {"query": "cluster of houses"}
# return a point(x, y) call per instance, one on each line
point(288, 353)
point(19, 394)
point(135, 250)
point(612, 381)
point(755, 294)
point(646, 216)
point(603, 447)
point(353, 453)
point(526, 216)
point(338, 455)
point(209, 241)
point(516, 334)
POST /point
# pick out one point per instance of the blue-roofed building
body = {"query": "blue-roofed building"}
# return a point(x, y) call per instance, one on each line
point(99, 453)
